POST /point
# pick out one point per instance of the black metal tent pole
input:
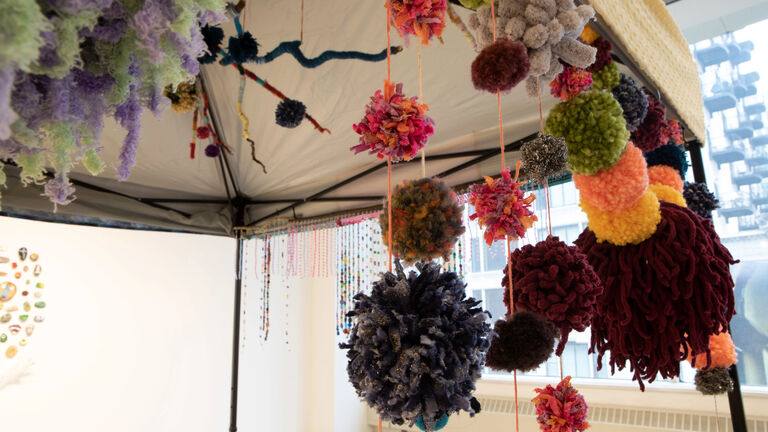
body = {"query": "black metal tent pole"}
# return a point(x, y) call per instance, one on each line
point(735, 401)
point(237, 205)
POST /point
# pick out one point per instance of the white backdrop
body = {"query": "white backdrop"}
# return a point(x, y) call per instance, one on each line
point(137, 335)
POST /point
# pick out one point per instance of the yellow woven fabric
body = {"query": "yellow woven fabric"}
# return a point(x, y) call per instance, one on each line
point(648, 33)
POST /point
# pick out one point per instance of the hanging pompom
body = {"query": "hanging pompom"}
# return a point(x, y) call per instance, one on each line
point(700, 199)
point(290, 113)
point(243, 49)
point(632, 225)
point(633, 101)
point(501, 208)
point(589, 35)
point(424, 19)
point(439, 424)
point(183, 98)
point(521, 342)
point(212, 150)
point(427, 220)
point(544, 157)
point(474, 4)
point(594, 130)
point(561, 409)
point(675, 289)
point(394, 125)
point(647, 136)
point(603, 56)
point(713, 381)
point(665, 175)
point(670, 155)
point(417, 345)
point(556, 281)
point(666, 193)
point(722, 353)
point(671, 132)
point(570, 82)
point(618, 187)
point(203, 132)
point(606, 78)
point(500, 66)
point(213, 36)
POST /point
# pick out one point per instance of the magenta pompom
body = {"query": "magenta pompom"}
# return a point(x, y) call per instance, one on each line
point(556, 281)
point(394, 125)
point(203, 132)
point(500, 66)
point(561, 408)
point(570, 82)
point(502, 208)
point(648, 136)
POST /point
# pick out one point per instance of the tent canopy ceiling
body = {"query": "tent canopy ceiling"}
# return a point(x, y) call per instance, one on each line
point(302, 161)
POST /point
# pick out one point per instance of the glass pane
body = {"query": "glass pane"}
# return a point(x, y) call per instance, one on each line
point(494, 303)
point(496, 257)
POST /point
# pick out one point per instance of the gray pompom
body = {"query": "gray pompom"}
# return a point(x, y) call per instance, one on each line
point(544, 157)
point(713, 381)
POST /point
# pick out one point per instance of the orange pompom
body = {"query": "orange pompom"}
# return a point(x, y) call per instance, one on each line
point(618, 187)
point(723, 352)
point(666, 175)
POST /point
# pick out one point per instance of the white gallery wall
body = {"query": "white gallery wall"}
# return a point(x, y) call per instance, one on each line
point(137, 333)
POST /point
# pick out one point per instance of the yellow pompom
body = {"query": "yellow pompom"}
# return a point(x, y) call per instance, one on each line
point(589, 35)
point(668, 194)
point(632, 225)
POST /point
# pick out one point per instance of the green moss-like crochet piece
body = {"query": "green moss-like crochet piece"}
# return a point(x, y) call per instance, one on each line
point(606, 78)
point(594, 130)
point(21, 22)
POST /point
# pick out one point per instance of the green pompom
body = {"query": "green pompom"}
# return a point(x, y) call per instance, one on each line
point(93, 162)
point(21, 22)
point(606, 78)
point(594, 130)
point(474, 4)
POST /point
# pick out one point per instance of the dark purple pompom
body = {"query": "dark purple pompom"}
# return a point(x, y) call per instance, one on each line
point(243, 49)
point(603, 56)
point(699, 199)
point(521, 342)
point(212, 151)
point(500, 66)
point(290, 113)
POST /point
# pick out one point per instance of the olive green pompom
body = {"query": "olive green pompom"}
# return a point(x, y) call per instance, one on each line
point(606, 78)
point(594, 130)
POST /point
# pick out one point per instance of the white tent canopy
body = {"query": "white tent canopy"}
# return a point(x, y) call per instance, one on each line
point(301, 161)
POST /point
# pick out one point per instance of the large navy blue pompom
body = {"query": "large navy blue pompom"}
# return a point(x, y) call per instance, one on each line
point(243, 49)
point(417, 346)
point(290, 113)
point(633, 101)
point(670, 155)
point(212, 36)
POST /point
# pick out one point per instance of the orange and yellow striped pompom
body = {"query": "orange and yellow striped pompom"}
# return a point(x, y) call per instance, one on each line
point(618, 187)
point(629, 226)
point(666, 193)
point(666, 175)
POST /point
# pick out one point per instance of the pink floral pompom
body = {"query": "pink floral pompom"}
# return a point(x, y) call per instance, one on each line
point(671, 131)
point(422, 18)
point(561, 409)
point(394, 125)
point(570, 82)
point(501, 207)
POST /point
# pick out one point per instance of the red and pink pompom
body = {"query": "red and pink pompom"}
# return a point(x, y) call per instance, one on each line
point(394, 125)
point(671, 131)
point(570, 82)
point(203, 132)
point(561, 408)
point(424, 19)
point(502, 208)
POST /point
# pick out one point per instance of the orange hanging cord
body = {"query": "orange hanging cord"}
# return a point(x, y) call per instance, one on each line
point(389, 164)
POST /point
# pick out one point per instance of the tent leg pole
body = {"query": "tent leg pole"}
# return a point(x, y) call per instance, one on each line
point(736, 403)
point(236, 335)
